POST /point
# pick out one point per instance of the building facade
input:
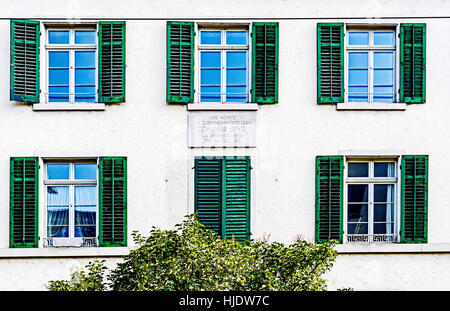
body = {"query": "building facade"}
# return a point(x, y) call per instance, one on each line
point(268, 118)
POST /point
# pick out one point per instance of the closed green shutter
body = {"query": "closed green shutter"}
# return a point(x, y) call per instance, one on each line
point(113, 201)
point(265, 63)
point(180, 62)
point(222, 196)
point(414, 194)
point(330, 62)
point(111, 62)
point(24, 179)
point(24, 75)
point(236, 198)
point(329, 198)
point(412, 63)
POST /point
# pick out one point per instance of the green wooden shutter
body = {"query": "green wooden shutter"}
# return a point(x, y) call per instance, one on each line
point(111, 62)
point(222, 196)
point(208, 193)
point(412, 63)
point(24, 179)
point(24, 79)
point(113, 201)
point(180, 62)
point(414, 194)
point(329, 198)
point(265, 63)
point(330, 62)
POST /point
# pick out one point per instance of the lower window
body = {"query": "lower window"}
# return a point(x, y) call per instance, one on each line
point(71, 203)
point(371, 201)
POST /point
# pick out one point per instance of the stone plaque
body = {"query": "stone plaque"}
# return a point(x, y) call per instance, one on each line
point(222, 129)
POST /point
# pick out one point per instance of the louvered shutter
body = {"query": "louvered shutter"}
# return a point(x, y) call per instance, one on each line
point(113, 201)
point(24, 179)
point(180, 62)
point(111, 60)
point(24, 75)
point(208, 193)
point(237, 198)
point(265, 63)
point(222, 196)
point(330, 62)
point(414, 194)
point(412, 63)
point(329, 198)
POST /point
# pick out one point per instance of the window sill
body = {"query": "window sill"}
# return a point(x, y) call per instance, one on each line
point(222, 106)
point(63, 252)
point(68, 107)
point(391, 248)
point(371, 106)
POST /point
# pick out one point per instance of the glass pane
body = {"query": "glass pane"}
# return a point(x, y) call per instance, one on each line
point(357, 193)
point(236, 94)
point(384, 169)
point(85, 36)
point(384, 94)
point(357, 229)
point(58, 171)
point(85, 94)
point(58, 59)
point(358, 77)
point(383, 38)
point(210, 60)
point(383, 59)
point(236, 37)
point(383, 193)
point(210, 77)
point(86, 171)
point(358, 38)
point(383, 212)
point(58, 37)
point(210, 94)
point(236, 59)
point(58, 211)
point(357, 213)
point(358, 60)
point(85, 211)
point(383, 228)
point(84, 76)
point(358, 169)
point(58, 94)
point(85, 59)
point(210, 37)
point(383, 77)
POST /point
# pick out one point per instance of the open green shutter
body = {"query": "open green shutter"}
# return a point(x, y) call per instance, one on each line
point(24, 179)
point(24, 75)
point(111, 62)
point(330, 62)
point(222, 196)
point(412, 63)
point(265, 63)
point(113, 201)
point(329, 198)
point(414, 194)
point(208, 193)
point(236, 202)
point(180, 62)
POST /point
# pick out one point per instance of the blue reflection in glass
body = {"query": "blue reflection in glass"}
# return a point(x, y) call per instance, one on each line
point(236, 72)
point(58, 76)
point(58, 37)
point(210, 37)
point(84, 76)
point(58, 171)
point(358, 76)
point(358, 38)
point(383, 77)
point(236, 37)
point(86, 171)
point(210, 76)
point(85, 211)
point(85, 36)
point(383, 38)
point(58, 211)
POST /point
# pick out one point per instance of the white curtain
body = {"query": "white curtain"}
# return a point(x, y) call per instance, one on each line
point(85, 211)
point(58, 211)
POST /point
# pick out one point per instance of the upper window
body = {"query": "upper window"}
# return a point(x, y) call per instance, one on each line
point(223, 65)
point(371, 66)
point(72, 65)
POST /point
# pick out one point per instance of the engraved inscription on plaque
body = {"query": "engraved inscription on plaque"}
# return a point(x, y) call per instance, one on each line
point(222, 129)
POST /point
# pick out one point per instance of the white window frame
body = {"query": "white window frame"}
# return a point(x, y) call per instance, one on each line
point(71, 47)
point(71, 183)
point(355, 48)
point(371, 181)
point(223, 47)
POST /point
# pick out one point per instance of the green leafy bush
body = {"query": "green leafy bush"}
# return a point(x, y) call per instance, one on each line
point(191, 258)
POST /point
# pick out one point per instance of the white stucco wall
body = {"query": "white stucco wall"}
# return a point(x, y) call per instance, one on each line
point(153, 135)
